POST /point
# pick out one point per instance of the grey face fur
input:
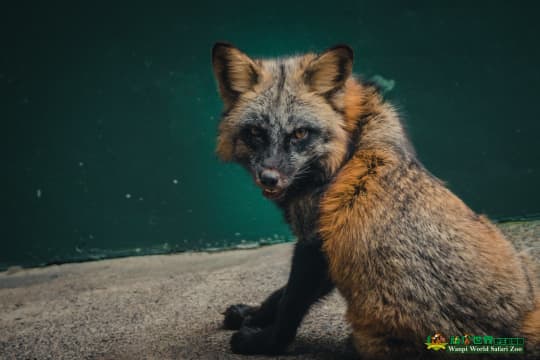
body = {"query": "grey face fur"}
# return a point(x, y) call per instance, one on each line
point(277, 123)
point(283, 134)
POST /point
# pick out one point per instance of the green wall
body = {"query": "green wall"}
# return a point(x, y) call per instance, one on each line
point(109, 114)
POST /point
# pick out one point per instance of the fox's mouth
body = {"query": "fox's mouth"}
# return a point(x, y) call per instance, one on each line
point(273, 193)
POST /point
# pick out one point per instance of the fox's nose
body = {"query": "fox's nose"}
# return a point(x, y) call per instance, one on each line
point(269, 177)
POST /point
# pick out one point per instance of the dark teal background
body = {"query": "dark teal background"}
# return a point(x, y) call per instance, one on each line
point(109, 114)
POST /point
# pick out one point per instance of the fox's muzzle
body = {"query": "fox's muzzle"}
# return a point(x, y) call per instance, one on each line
point(272, 182)
point(269, 177)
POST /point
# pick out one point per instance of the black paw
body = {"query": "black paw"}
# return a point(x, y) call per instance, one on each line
point(252, 341)
point(237, 315)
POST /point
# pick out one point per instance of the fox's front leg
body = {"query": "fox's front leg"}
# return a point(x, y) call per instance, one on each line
point(240, 315)
point(308, 281)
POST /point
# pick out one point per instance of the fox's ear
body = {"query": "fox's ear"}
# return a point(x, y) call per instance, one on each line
point(235, 72)
point(329, 70)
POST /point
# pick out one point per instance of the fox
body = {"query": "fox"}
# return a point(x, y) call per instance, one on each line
point(408, 256)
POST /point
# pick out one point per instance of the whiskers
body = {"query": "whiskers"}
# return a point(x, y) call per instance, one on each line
point(304, 171)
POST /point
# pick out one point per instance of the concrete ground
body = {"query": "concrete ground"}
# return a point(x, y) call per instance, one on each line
point(164, 306)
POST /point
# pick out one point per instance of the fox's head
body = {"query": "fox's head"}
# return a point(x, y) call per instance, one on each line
point(284, 119)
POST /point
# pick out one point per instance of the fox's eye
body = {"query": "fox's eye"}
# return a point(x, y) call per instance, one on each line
point(255, 131)
point(300, 134)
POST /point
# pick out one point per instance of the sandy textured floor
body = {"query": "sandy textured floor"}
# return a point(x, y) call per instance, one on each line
point(164, 306)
